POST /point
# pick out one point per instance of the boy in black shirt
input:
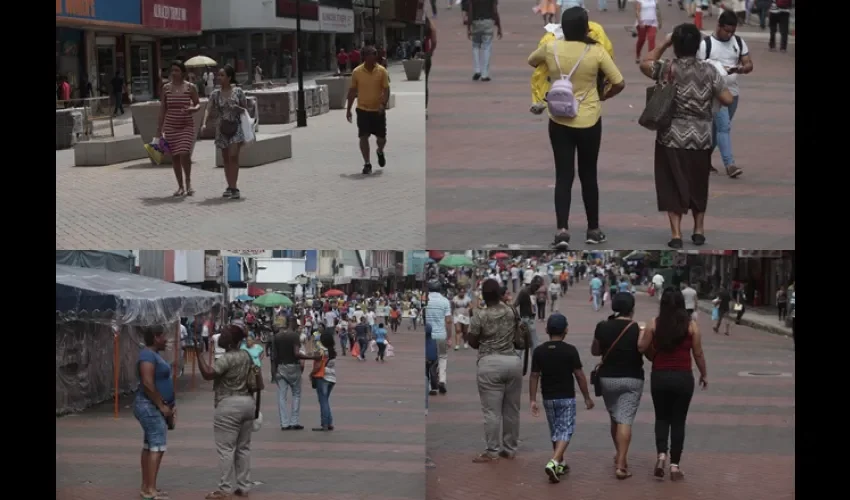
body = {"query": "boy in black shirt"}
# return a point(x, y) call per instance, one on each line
point(557, 362)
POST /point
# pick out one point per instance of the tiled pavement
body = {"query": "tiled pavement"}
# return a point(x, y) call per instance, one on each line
point(490, 167)
point(740, 440)
point(318, 197)
point(376, 451)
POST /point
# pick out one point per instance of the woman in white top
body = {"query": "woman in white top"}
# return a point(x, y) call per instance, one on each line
point(648, 23)
point(460, 306)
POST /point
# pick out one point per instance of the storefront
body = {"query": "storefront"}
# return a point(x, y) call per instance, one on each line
point(161, 17)
point(69, 57)
point(337, 22)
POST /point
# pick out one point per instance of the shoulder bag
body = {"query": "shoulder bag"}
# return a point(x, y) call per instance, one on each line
point(660, 101)
point(522, 338)
point(594, 375)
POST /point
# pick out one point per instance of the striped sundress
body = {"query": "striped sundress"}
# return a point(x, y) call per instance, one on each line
point(179, 127)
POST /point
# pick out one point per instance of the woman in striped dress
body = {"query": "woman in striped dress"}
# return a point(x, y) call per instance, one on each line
point(176, 126)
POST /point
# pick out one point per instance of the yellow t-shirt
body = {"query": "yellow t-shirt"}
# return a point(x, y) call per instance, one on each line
point(584, 79)
point(370, 86)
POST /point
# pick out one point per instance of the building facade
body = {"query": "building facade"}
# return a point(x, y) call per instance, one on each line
point(95, 39)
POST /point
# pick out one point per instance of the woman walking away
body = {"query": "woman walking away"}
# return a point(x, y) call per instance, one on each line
point(493, 331)
point(323, 377)
point(683, 150)
point(229, 103)
point(179, 101)
point(648, 24)
point(235, 411)
point(670, 340)
point(380, 336)
point(620, 374)
point(153, 408)
point(430, 46)
point(575, 125)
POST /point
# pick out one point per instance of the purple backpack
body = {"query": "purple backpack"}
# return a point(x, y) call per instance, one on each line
point(560, 98)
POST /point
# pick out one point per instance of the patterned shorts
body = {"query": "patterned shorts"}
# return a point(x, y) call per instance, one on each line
point(153, 424)
point(561, 416)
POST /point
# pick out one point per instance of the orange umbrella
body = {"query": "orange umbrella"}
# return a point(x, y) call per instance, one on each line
point(334, 293)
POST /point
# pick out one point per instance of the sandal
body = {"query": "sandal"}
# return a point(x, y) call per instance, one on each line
point(676, 474)
point(218, 495)
point(508, 455)
point(158, 495)
point(698, 239)
point(659, 465)
point(622, 474)
point(180, 192)
point(484, 458)
point(190, 192)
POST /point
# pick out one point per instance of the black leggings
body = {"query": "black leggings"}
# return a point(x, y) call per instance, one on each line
point(427, 72)
point(567, 143)
point(382, 349)
point(671, 395)
point(621, 4)
point(541, 310)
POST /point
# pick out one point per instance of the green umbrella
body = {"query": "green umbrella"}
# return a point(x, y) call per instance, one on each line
point(272, 300)
point(457, 261)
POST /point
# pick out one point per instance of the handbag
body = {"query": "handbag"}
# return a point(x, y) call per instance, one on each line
point(228, 128)
point(522, 338)
point(660, 102)
point(594, 375)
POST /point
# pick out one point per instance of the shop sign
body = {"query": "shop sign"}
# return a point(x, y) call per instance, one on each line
point(176, 15)
point(287, 8)
point(336, 20)
point(247, 253)
point(337, 4)
point(116, 11)
point(760, 254)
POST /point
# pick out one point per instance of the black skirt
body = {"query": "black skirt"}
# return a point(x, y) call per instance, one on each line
point(681, 179)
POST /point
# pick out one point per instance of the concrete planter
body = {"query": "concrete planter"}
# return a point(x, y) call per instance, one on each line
point(212, 120)
point(69, 124)
point(279, 105)
point(146, 119)
point(413, 69)
point(337, 90)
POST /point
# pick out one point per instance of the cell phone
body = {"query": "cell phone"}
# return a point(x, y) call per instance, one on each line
point(732, 70)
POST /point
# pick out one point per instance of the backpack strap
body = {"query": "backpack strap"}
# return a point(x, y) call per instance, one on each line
point(740, 47)
point(558, 62)
point(707, 41)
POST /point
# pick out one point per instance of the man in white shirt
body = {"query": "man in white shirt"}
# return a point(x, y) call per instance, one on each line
point(438, 314)
point(209, 81)
point(515, 279)
point(527, 275)
point(658, 284)
point(690, 298)
point(731, 51)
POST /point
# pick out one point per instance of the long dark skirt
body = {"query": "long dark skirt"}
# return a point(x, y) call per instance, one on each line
point(681, 179)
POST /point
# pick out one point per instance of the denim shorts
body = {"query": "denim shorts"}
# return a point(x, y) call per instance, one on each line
point(153, 424)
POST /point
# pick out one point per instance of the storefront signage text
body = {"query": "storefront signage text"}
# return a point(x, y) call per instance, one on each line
point(286, 8)
point(112, 11)
point(168, 12)
point(76, 8)
point(176, 15)
point(336, 20)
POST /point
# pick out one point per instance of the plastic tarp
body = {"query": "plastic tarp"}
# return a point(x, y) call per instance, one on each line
point(118, 261)
point(102, 296)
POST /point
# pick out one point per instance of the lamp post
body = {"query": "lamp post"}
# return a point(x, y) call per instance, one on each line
point(301, 113)
point(374, 25)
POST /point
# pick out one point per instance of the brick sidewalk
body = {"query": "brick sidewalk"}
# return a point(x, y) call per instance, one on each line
point(739, 444)
point(376, 451)
point(317, 197)
point(490, 167)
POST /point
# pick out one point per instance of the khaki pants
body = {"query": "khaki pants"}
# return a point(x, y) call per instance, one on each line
point(500, 390)
point(232, 424)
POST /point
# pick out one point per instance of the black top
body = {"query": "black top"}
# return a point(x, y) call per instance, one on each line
point(725, 298)
point(624, 360)
point(482, 9)
point(285, 344)
point(556, 361)
point(361, 331)
point(523, 303)
point(117, 85)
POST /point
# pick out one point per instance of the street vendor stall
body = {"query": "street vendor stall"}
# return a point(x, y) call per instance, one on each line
point(98, 314)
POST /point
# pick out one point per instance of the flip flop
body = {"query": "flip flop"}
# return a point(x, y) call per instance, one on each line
point(623, 474)
point(484, 459)
point(218, 495)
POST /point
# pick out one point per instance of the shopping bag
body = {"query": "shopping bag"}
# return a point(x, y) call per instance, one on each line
point(247, 126)
point(157, 149)
point(715, 314)
point(651, 291)
point(606, 297)
point(373, 346)
point(389, 353)
point(355, 351)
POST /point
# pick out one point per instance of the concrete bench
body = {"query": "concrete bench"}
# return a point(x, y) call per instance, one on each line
point(391, 102)
point(109, 151)
point(267, 148)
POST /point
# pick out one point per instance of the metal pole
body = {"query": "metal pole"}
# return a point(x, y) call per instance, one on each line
point(374, 25)
point(301, 114)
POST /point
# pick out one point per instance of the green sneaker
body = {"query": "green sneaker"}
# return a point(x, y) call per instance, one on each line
point(562, 469)
point(552, 471)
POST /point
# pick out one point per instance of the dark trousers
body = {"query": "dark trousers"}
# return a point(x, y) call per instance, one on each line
point(621, 4)
point(432, 372)
point(671, 395)
point(541, 310)
point(739, 315)
point(567, 144)
point(119, 101)
point(783, 310)
point(779, 20)
point(364, 345)
point(382, 349)
point(427, 72)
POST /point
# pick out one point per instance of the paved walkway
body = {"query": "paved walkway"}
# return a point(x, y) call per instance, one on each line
point(740, 442)
point(318, 198)
point(501, 192)
point(376, 451)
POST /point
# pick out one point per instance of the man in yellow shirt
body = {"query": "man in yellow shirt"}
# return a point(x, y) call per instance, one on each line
point(370, 85)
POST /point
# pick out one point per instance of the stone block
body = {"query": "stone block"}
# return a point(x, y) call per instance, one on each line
point(109, 151)
point(146, 120)
point(337, 90)
point(266, 149)
point(275, 106)
point(413, 69)
point(69, 124)
point(391, 102)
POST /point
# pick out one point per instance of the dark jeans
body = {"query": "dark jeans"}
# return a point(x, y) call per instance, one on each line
point(779, 20)
point(621, 4)
point(432, 372)
point(567, 143)
point(119, 98)
point(323, 390)
point(762, 17)
point(364, 345)
point(382, 349)
point(541, 310)
point(783, 310)
point(671, 395)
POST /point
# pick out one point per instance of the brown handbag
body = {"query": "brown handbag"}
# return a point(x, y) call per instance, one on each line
point(660, 102)
point(594, 375)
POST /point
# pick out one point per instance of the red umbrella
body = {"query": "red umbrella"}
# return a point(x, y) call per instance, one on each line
point(501, 256)
point(255, 292)
point(333, 292)
point(436, 255)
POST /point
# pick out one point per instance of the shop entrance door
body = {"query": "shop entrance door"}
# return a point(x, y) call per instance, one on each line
point(105, 68)
point(141, 67)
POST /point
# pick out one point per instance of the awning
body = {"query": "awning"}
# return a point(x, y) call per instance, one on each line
point(102, 296)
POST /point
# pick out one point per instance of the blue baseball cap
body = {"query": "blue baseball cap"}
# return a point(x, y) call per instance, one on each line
point(556, 324)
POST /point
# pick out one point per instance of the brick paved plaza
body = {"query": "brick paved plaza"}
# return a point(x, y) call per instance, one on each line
point(490, 166)
point(376, 451)
point(739, 443)
point(317, 197)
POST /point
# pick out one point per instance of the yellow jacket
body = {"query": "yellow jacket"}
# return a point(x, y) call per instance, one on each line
point(540, 77)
